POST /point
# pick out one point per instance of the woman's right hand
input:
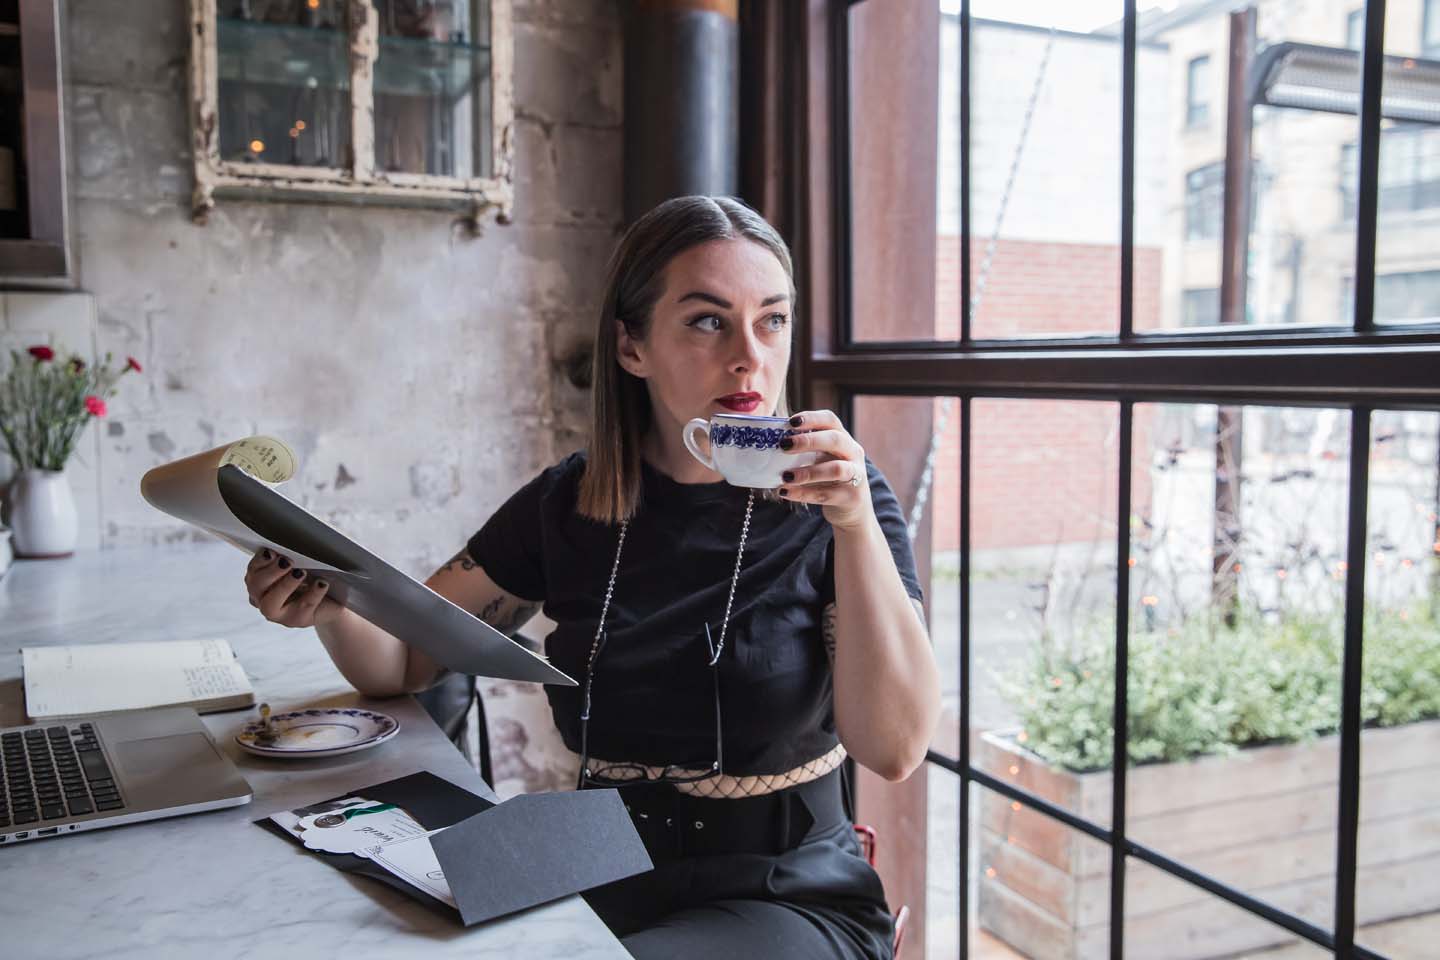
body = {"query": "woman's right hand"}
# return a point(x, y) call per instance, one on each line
point(285, 595)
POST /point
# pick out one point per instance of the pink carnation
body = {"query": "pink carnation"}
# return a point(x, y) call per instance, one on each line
point(95, 405)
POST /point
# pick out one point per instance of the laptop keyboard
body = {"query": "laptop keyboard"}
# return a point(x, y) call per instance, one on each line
point(54, 772)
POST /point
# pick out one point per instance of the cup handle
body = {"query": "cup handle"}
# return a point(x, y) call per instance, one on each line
point(688, 435)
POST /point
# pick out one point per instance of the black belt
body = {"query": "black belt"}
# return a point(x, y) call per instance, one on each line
point(673, 824)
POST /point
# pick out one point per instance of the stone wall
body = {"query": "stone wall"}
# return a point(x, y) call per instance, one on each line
point(418, 372)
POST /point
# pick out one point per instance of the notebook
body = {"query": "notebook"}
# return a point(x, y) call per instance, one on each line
point(110, 677)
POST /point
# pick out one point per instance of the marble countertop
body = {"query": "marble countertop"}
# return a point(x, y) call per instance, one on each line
point(213, 884)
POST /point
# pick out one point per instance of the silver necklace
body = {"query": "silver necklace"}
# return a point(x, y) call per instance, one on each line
point(729, 601)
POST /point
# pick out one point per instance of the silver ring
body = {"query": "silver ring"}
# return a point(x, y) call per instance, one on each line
point(854, 476)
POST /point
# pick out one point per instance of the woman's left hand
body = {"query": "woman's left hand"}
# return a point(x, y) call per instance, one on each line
point(838, 480)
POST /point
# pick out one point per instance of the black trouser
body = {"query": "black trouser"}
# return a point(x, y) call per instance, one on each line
point(773, 876)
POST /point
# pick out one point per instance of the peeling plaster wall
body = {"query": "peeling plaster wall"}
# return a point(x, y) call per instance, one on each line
point(418, 373)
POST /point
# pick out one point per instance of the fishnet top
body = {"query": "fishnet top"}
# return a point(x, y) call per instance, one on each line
point(725, 786)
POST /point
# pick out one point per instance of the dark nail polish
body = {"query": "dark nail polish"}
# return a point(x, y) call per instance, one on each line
point(787, 476)
point(786, 443)
point(784, 492)
point(322, 584)
point(298, 574)
point(266, 554)
point(796, 420)
point(284, 564)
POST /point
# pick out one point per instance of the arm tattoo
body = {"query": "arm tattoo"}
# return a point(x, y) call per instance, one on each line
point(508, 614)
point(463, 559)
point(827, 630)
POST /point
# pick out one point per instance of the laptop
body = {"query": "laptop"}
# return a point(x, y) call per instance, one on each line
point(85, 773)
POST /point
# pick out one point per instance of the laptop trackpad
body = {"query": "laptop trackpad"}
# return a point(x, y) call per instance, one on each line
point(173, 765)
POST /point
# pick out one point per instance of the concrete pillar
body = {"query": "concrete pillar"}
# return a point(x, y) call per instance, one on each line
point(681, 100)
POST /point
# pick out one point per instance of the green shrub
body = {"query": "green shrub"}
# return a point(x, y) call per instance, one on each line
point(1194, 693)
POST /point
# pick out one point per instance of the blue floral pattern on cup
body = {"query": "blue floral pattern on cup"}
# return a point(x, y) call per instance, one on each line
point(747, 438)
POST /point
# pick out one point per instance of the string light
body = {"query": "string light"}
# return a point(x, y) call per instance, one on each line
point(1015, 806)
point(1281, 573)
point(313, 4)
point(1150, 601)
point(257, 146)
point(1130, 562)
point(299, 124)
point(1014, 769)
point(990, 872)
point(1236, 568)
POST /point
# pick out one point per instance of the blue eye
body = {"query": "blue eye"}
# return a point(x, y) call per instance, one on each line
point(708, 322)
point(777, 321)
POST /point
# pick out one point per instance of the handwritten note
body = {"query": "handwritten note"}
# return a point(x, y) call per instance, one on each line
point(105, 677)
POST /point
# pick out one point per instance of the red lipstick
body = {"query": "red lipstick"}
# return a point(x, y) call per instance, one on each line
point(740, 402)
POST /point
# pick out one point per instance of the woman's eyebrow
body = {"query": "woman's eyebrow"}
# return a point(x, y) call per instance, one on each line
point(724, 304)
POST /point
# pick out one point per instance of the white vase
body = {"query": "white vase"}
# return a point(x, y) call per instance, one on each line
point(42, 514)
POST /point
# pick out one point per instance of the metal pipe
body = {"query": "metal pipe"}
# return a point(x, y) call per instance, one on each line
point(681, 100)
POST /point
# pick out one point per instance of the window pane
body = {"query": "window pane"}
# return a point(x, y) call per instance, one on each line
point(1237, 615)
point(284, 82)
point(1197, 92)
point(1398, 884)
point(1045, 169)
point(1043, 495)
point(1040, 889)
point(1206, 927)
point(1407, 244)
point(432, 88)
point(1296, 204)
point(892, 153)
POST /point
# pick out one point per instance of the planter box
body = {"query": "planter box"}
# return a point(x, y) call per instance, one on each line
point(1263, 821)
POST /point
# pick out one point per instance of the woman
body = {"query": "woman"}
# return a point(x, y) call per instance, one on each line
point(731, 648)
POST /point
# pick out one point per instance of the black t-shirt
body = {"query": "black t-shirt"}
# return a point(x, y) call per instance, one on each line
point(652, 696)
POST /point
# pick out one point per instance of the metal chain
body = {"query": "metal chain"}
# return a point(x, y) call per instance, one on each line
point(734, 579)
point(927, 474)
point(615, 569)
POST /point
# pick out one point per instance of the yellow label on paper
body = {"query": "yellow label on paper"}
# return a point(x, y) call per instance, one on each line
point(264, 458)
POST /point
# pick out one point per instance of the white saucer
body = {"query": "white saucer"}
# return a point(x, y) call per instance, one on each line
point(321, 732)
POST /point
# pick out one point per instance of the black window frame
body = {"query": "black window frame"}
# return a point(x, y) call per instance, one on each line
point(1354, 366)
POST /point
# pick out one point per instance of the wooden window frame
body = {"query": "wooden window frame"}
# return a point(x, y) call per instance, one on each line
point(360, 181)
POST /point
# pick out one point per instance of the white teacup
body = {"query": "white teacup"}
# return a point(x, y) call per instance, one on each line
point(745, 449)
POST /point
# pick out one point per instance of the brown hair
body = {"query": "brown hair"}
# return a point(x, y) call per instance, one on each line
point(621, 414)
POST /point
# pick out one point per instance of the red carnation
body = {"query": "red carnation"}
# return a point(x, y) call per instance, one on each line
point(95, 405)
point(42, 353)
point(77, 365)
point(132, 364)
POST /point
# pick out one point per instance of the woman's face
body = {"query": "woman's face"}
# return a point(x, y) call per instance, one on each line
point(719, 338)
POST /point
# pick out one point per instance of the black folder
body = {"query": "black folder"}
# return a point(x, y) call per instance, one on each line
point(505, 857)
